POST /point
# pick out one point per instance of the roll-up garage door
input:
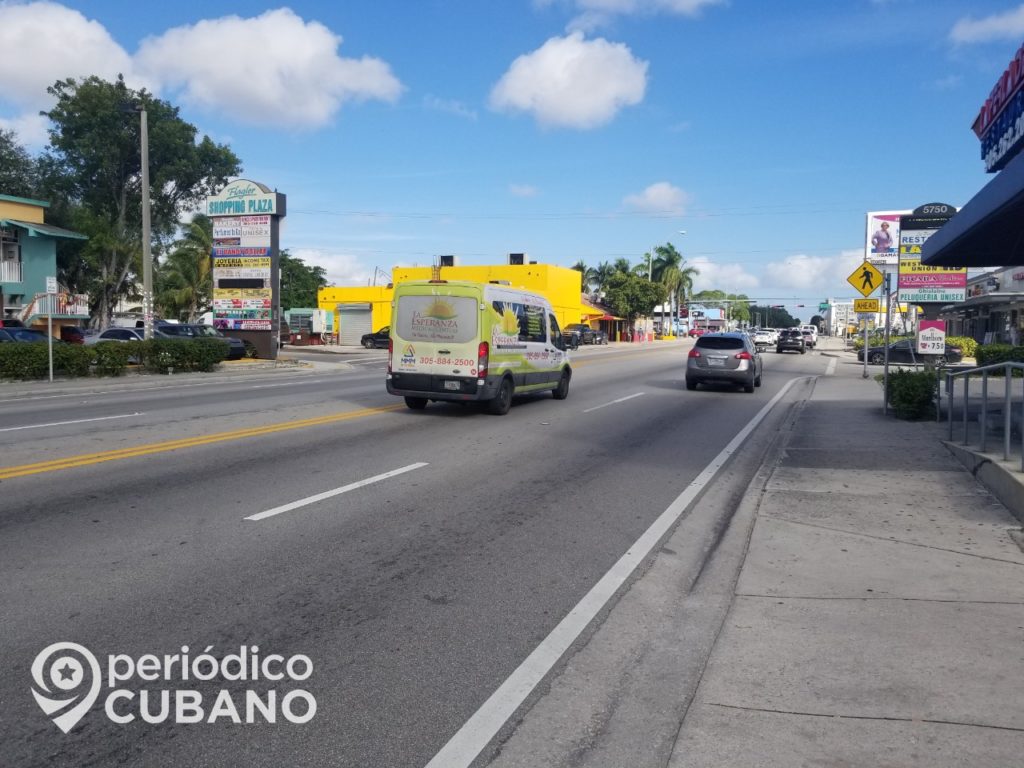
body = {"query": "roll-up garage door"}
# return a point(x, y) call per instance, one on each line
point(353, 321)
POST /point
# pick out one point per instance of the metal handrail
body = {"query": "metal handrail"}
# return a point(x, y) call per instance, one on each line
point(1007, 370)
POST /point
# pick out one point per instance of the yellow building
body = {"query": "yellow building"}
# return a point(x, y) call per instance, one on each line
point(359, 310)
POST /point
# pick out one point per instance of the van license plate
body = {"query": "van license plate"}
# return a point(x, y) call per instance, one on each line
point(452, 385)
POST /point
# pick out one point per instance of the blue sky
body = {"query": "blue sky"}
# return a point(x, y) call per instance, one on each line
point(566, 129)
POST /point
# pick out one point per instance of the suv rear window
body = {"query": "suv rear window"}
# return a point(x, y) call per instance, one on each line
point(719, 342)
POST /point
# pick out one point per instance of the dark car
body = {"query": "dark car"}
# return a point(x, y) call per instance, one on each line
point(24, 335)
point(236, 347)
point(584, 334)
point(904, 351)
point(791, 340)
point(726, 358)
point(72, 334)
point(10, 322)
point(377, 339)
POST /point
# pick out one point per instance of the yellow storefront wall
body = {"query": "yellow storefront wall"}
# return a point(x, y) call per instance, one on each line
point(559, 285)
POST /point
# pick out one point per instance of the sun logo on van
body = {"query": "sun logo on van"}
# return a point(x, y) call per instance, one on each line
point(439, 309)
point(509, 320)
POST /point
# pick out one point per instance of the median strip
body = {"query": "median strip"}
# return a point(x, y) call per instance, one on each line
point(86, 459)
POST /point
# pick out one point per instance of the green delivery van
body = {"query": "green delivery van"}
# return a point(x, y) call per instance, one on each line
point(462, 341)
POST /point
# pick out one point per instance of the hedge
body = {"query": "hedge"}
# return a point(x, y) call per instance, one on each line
point(27, 361)
point(992, 354)
point(912, 394)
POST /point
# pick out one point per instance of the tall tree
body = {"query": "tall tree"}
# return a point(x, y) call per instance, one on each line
point(300, 282)
point(588, 276)
point(632, 296)
point(622, 264)
point(95, 157)
point(602, 273)
point(184, 281)
point(18, 172)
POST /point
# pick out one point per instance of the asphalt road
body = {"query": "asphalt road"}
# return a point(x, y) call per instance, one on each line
point(414, 596)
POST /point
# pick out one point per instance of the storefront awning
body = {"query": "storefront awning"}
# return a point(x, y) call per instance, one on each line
point(989, 230)
point(610, 317)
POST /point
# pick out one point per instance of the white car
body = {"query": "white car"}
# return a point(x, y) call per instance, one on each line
point(762, 338)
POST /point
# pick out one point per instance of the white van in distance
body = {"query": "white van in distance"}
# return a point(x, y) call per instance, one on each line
point(463, 341)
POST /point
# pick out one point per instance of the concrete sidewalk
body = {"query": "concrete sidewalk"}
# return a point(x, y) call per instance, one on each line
point(878, 618)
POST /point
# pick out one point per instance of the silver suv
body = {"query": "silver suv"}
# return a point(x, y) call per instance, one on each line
point(726, 358)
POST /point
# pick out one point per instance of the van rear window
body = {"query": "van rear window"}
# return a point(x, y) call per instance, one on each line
point(439, 319)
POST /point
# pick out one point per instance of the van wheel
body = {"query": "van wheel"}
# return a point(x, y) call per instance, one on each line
point(503, 401)
point(416, 403)
point(562, 390)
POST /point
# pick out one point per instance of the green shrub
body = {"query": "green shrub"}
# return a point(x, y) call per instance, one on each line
point(993, 354)
point(112, 358)
point(967, 345)
point(912, 394)
point(165, 355)
point(23, 361)
point(72, 359)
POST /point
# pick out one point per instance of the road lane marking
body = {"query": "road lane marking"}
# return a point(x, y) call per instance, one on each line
point(336, 492)
point(471, 739)
point(76, 421)
point(82, 460)
point(831, 366)
point(613, 402)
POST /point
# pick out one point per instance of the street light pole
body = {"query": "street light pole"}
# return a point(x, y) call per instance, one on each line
point(147, 256)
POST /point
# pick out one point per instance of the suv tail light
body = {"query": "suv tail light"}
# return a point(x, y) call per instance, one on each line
point(694, 353)
point(391, 350)
point(744, 355)
point(482, 355)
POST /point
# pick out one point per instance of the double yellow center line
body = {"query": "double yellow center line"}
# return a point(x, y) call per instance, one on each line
point(82, 460)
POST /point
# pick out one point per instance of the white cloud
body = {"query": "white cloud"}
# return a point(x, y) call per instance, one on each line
point(30, 129)
point(661, 198)
point(522, 190)
point(340, 268)
point(272, 69)
point(731, 278)
point(572, 82)
point(1000, 26)
point(44, 42)
point(450, 106)
point(596, 13)
point(804, 275)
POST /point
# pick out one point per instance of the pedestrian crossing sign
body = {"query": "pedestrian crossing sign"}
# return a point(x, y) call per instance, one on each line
point(866, 278)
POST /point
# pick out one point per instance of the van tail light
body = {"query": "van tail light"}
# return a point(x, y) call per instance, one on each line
point(694, 353)
point(391, 351)
point(744, 355)
point(482, 355)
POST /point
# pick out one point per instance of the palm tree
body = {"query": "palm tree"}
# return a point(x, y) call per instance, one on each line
point(589, 275)
point(622, 265)
point(603, 273)
point(185, 279)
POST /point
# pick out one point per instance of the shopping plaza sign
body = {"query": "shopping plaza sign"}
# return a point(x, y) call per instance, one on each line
point(1000, 122)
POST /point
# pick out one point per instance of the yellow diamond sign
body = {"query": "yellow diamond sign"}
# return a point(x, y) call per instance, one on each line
point(866, 278)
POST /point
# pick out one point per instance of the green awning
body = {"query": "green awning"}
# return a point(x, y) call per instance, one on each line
point(47, 230)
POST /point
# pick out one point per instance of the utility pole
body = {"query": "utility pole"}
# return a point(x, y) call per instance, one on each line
point(147, 255)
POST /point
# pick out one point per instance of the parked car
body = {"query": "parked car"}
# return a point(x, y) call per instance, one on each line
point(120, 334)
point(10, 322)
point(285, 331)
point(236, 347)
point(791, 340)
point(584, 334)
point(377, 339)
point(24, 335)
point(694, 332)
point(727, 358)
point(903, 351)
point(72, 334)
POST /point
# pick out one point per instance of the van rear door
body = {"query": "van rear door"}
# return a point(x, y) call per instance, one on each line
point(435, 339)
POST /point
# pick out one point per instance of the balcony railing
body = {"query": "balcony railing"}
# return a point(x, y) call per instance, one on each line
point(58, 305)
point(10, 272)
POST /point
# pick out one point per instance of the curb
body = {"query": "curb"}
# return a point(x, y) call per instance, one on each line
point(1003, 479)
